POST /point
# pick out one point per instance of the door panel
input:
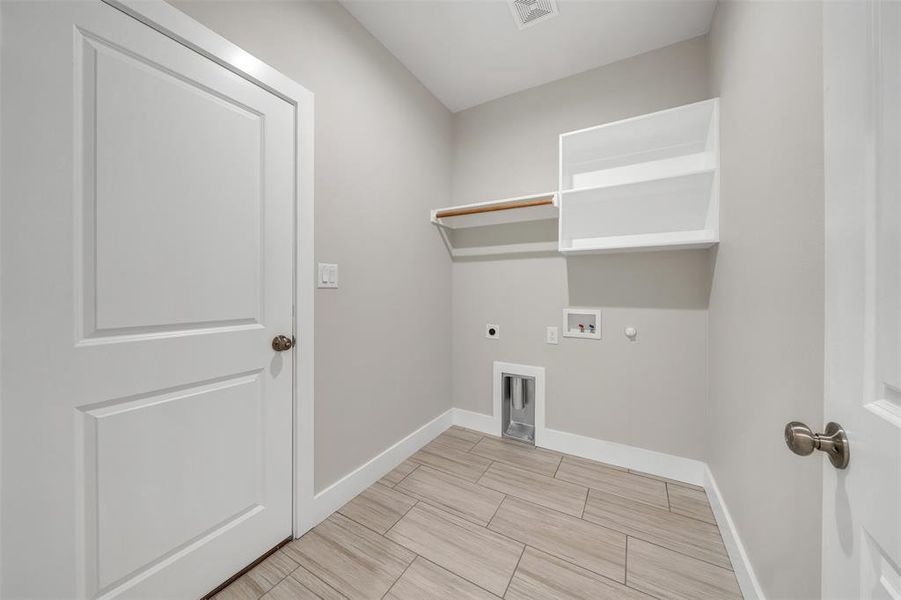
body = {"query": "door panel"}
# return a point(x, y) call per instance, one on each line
point(862, 108)
point(157, 456)
point(176, 198)
point(880, 578)
point(147, 259)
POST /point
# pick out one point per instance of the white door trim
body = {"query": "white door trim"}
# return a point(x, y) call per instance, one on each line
point(176, 25)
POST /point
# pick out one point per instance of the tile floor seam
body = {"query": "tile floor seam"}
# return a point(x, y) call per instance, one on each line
point(657, 506)
point(647, 593)
point(349, 518)
point(548, 552)
point(481, 437)
point(464, 578)
point(606, 578)
point(464, 482)
point(261, 562)
point(415, 500)
point(513, 574)
point(503, 535)
point(457, 475)
point(511, 464)
point(542, 507)
point(691, 557)
point(485, 527)
point(416, 468)
point(455, 574)
point(270, 588)
point(623, 533)
point(385, 535)
point(276, 585)
point(661, 479)
point(300, 584)
point(557, 468)
point(318, 578)
point(519, 497)
point(494, 514)
point(407, 568)
point(717, 525)
point(707, 562)
point(643, 539)
point(687, 486)
point(335, 543)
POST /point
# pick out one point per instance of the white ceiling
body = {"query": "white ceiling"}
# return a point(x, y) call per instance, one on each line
point(467, 52)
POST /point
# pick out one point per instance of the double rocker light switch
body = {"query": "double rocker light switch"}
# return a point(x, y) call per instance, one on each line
point(328, 275)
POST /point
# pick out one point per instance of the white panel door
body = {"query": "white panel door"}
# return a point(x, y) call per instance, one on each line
point(862, 505)
point(147, 263)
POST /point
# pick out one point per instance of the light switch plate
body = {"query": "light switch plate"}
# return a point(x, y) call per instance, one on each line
point(328, 276)
point(553, 335)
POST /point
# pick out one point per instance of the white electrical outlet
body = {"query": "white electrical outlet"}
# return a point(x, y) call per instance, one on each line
point(552, 335)
point(492, 331)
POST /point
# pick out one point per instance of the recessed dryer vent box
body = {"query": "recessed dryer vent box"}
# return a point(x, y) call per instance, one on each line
point(582, 323)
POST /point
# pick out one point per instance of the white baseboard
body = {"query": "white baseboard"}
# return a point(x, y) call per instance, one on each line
point(629, 457)
point(744, 572)
point(342, 491)
point(476, 421)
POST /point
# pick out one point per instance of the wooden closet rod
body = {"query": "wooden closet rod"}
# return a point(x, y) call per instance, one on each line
point(475, 210)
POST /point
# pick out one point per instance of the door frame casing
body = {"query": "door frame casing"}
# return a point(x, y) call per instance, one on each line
point(178, 26)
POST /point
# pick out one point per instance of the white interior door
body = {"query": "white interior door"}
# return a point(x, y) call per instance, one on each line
point(862, 505)
point(147, 242)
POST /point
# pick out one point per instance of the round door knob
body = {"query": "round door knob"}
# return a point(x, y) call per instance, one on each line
point(280, 343)
point(801, 440)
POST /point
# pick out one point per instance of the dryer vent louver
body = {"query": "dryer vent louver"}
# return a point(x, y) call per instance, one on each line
point(529, 12)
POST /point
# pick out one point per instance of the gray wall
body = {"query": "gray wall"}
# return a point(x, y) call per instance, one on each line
point(651, 393)
point(383, 154)
point(766, 304)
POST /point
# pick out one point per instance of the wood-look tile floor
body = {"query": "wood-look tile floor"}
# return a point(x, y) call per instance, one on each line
point(474, 517)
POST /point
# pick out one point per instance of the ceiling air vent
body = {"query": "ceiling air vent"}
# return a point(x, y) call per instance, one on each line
point(528, 12)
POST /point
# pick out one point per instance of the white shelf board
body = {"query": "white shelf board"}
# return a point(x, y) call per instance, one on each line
point(689, 164)
point(525, 248)
point(499, 213)
point(669, 131)
point(498, 217)
point(658, 205)
point(672, 240)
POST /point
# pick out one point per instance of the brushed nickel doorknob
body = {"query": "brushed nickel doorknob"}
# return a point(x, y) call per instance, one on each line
point(280, 343)
point(801, 440)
